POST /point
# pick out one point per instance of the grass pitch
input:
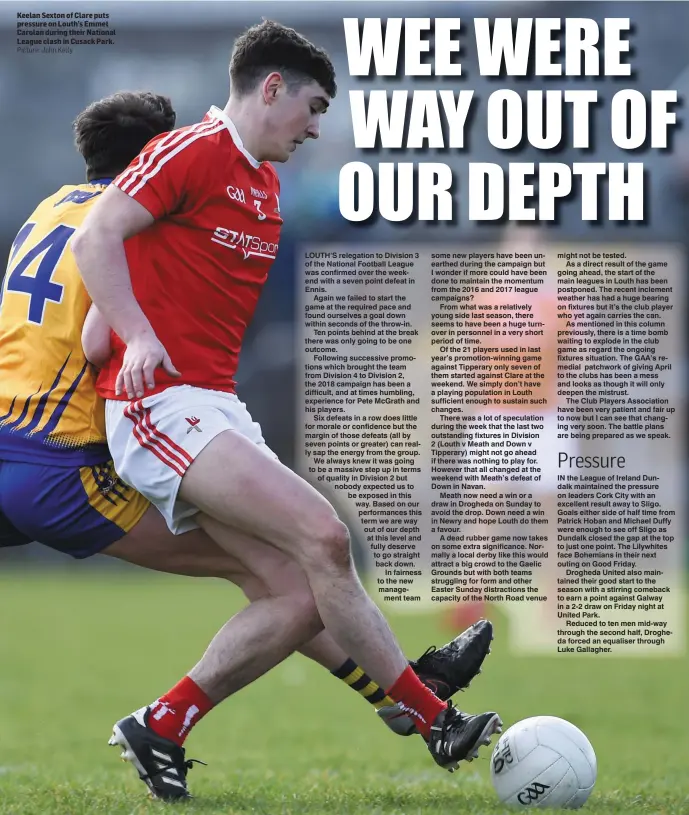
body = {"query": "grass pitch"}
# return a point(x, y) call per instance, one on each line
point(77, 653)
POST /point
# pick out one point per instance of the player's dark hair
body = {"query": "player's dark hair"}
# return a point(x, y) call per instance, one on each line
point(111, 132)
point(270, 46)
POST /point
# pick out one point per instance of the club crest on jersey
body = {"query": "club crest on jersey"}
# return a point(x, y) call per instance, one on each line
point(244, 242)
point(194, 422)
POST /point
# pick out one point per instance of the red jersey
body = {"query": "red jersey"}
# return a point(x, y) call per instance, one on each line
point(198, 271)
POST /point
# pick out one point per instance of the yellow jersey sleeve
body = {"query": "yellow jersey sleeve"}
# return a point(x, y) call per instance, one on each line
point(49, 409)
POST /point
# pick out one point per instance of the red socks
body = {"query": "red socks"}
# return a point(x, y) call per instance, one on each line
point(173, 715)
point(417, 700)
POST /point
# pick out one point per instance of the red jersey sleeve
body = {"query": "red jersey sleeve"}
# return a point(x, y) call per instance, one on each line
point(160, 177)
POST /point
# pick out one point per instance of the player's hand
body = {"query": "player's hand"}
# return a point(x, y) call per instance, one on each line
point(143, 355)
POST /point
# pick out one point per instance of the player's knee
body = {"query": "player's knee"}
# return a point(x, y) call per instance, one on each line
point(331, 544)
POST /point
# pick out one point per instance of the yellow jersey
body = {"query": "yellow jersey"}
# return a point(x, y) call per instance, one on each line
point(49, 409)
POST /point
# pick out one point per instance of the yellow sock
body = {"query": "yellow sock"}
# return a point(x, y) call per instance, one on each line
point(354, 676)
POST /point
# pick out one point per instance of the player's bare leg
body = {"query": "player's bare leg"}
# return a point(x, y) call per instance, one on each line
point(255, 639)
point(263, 559)
point(155, 748)
point(248, 645)
point(445, 670)
point(260, 571)
point(262, 497)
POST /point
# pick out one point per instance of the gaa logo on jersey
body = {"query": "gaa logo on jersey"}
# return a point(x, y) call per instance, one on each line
point(236, 194)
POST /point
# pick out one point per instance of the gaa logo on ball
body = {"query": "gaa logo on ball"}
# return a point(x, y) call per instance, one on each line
point(543, 762)
point(502, 755)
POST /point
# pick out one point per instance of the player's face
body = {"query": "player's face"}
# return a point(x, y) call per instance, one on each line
point(295, 118)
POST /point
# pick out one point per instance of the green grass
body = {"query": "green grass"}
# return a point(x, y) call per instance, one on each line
point(78, 653)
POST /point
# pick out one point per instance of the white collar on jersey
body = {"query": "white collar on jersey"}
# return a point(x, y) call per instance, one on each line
point(229, 124)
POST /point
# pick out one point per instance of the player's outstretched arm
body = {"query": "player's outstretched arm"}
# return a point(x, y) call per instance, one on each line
point(95, 338)
point(98, 248)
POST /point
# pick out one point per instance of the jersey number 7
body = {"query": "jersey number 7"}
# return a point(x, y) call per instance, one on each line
point(40, 287)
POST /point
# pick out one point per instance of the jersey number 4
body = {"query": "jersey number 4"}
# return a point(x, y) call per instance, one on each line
point(40, 286)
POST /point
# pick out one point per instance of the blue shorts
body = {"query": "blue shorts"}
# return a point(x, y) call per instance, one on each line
point(76, 510)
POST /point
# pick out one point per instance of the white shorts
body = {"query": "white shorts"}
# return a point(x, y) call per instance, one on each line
point(154, 440)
